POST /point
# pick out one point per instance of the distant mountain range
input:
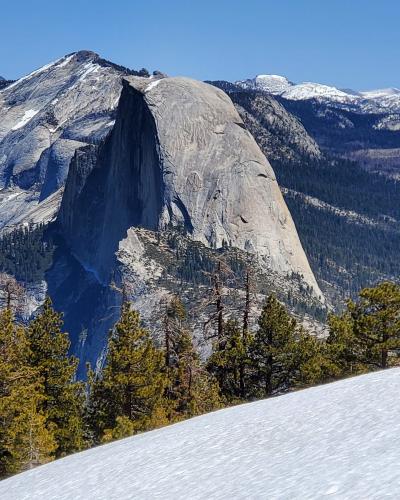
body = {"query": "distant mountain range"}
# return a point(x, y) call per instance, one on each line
point(373, 101)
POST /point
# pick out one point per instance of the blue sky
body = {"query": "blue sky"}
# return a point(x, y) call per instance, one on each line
point(353, 43)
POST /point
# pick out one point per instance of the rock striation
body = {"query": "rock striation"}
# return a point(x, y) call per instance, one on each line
point(179, 156)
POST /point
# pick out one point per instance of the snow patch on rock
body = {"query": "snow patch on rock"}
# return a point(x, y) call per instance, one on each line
point(28, 115)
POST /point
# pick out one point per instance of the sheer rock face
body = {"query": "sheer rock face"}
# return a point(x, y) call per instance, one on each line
point(179, 155)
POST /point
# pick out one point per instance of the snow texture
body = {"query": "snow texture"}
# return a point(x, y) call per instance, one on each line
point(338, 441)
point(373, 101)
point(28, 115)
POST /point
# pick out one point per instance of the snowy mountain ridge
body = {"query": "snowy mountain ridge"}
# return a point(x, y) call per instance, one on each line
point(367, 101)
point(340, 440)
point(45, 117)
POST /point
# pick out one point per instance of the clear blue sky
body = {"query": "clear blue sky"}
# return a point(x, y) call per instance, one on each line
point(352, 43)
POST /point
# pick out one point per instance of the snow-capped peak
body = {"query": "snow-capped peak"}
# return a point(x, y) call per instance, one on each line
point(274, 84)
point(310, 90)
point(372, 94)
point(379, 100)
point(79, 57)
point(280, 85)
point(47, 115)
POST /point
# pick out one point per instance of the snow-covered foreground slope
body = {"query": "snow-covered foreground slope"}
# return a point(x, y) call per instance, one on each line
point(340, 440)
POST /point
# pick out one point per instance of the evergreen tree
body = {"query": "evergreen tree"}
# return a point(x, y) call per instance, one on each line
point(229, 360)
point(376, 320)
point(29, 440)
point(132, 383)
point(25, 440)
point(273, 351)
point(343, 348)
point(367, 335)
point(312, 357)
point(64, 397)
point(190, 390)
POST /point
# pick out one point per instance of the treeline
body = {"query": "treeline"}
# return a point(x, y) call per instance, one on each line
point(152, 380)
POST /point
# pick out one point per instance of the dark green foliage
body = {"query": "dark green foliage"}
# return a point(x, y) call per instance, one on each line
point(128, 395)
point(26, 253)
point(273, 351)
point(342, 252)
point(367, 335)
point(324, 124)
point(229, 361)
point(343, 184)
point(26, 437)
point(190, 390)
point(63, 397)
point(44, 412)
point(347, 254)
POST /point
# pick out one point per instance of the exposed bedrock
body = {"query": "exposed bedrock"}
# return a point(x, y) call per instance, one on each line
point(179, 155)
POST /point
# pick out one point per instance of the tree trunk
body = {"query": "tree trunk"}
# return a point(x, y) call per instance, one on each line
point(219, 304)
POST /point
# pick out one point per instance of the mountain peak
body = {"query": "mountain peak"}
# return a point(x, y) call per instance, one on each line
point(371, 100)
point(370, 94)
point(274, 84)
point(84, 55)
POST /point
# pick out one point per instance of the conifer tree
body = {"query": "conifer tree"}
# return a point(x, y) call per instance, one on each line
point(367, 335)
point(229, 359)
point(191, 390)
point(376, 320)
point(64, 397)
point(273, 351)
point(29, 439)
point(246, 334)
point(128, 396)
point(312, 357)
point(343, 348)
point(25, 440)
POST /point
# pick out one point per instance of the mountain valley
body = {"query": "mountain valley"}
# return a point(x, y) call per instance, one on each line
point(65, 138)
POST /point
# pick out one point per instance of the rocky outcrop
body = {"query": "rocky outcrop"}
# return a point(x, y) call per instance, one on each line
point(280, 135)
point(180, 156)
point(48, 114)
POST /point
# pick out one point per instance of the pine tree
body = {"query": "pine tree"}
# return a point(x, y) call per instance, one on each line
point(245, 334)
point(29, 441)
point(367, 335)
point(132, 384)
point(64, 398)
point(343, 348)
point(312, 357)
point(25, 440)
point(191, 390)
point(273, 351)
point(229, 359)
point(376, 320)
